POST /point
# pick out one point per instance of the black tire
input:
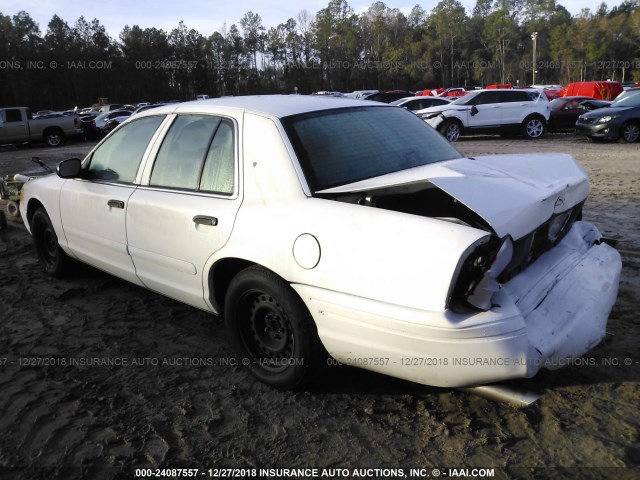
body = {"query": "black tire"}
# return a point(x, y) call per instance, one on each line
point(630, 132)
point(451, 130)
point(271, 331)
point(53, 259)
point(3, 221)
point(533, 127)
point(54, 137)
point(13, 208)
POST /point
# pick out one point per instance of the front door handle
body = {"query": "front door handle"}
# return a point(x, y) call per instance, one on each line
point(205, 220)
point(116, 203)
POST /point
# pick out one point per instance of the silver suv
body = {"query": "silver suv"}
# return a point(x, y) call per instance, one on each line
point(501, 111)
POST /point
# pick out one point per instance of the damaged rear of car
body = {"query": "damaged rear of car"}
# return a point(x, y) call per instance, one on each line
point(533, 286)
point(317, 222)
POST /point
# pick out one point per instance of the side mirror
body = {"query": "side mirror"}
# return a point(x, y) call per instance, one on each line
point(474, 110)
point(70, 168)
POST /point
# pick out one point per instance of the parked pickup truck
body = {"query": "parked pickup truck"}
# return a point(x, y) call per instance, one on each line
point(17, 125)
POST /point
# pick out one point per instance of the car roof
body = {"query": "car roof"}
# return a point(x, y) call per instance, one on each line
point(273, 105)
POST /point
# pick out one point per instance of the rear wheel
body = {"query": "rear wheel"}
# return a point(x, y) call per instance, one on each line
point(54, 137)
point(630, 132)
point(451, 130)
point(271, 330)
point(53, 259)
point(533, 127)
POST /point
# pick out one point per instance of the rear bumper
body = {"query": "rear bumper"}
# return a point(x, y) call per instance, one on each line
point(555, 310)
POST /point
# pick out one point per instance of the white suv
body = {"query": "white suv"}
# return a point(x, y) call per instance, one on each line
point(503, 111)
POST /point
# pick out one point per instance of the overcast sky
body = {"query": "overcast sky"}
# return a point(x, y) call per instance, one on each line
point(205, 16)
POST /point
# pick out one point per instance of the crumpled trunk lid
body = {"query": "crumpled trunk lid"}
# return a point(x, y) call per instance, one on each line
point(514, 194)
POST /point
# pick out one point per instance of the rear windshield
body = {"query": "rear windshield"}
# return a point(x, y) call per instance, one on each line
point(338, 147)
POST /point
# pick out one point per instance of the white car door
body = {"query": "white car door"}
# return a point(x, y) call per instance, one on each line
point(186, 209)
point(515, 106)
point(93, 209)
point(486, 113)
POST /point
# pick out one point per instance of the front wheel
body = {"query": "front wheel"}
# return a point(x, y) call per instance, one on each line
point(533, 127)
point(270, 329)
point(630, 132)
point(451, 130)
point(53, 259)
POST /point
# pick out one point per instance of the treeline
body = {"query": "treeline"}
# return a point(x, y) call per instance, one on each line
point(333, 49)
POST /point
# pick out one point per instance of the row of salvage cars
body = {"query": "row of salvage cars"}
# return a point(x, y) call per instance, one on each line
point(529, 113)
point(322, 225)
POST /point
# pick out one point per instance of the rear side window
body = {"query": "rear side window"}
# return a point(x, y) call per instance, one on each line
point(524, 96)
point(118, 158)
point(13, 115)
point(533, 95)
point(197, 154)
point(217, 175)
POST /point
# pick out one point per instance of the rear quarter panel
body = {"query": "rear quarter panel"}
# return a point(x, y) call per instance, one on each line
point(387, 256)
point(65, 123)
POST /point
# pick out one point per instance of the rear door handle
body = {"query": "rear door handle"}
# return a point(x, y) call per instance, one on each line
point(116, 203)
point(205, 220)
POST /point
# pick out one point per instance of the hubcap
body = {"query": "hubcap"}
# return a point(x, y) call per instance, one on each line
point(631, 133)
point(453, 132)
point(534, 128)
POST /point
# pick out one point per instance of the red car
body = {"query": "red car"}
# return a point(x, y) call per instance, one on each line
point(564, 113)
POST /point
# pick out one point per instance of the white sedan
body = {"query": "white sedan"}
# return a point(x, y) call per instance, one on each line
point(320, 225)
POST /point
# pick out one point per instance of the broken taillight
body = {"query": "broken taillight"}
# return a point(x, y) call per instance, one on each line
point(477, 279)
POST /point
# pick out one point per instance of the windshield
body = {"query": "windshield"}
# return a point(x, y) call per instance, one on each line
point(629, 98)
point(465, 99)
point(342, 146)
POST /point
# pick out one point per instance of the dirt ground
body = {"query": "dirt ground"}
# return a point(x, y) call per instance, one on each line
point(173, 401)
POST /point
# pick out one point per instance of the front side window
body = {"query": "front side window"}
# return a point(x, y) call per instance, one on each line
point(467, 99)
point(197, 154)
point(486, 98)
point(337, 147)
point(118, 158)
